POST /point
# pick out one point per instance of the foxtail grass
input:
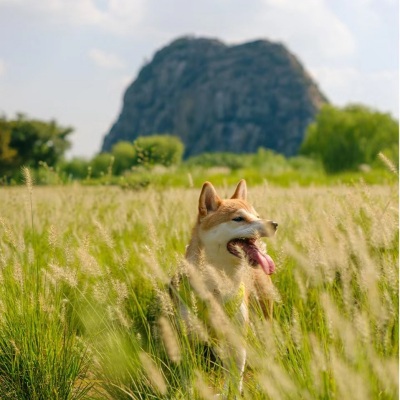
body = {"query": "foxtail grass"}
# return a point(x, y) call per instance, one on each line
point(106, 257)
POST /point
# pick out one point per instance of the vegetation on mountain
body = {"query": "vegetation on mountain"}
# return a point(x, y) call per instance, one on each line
point(220, 98)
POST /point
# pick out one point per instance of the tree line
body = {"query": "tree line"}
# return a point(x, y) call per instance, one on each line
point(341, 138)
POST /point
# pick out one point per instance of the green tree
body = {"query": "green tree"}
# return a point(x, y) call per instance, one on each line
point(344, 138)
point(124, 157)
point(7, 153)
point(158, 149)
point(30, 142)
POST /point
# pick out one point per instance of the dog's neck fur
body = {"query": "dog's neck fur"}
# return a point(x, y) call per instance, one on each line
point(215, 269)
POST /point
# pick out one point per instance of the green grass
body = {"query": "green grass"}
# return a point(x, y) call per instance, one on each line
point(83, 274)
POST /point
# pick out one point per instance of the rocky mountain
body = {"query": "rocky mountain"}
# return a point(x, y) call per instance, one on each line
point(217, 97)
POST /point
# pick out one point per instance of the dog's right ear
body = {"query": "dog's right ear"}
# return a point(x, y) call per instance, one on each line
point(209, 200)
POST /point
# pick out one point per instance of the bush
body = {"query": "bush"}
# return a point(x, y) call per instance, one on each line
point(101, 165)
point(165, 150)
point(125, 157)
point(209, 160)
point(345, 138)
point(76, 168)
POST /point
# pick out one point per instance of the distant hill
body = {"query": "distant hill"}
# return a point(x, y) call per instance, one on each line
point(217, 97)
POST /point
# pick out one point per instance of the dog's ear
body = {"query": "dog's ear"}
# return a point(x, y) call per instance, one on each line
point(241, 191)
point(209, 200)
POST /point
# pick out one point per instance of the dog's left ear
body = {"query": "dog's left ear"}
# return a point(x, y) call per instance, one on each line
point(241, 191)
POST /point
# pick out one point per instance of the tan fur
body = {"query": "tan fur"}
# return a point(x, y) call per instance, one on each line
point(215, 227)
point(214, 211)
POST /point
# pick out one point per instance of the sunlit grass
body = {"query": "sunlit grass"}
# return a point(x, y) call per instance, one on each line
point(100, 259)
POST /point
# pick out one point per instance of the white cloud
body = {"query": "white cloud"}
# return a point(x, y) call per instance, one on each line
point(310, 27)
point(377, 89)
point(106, 60)
point(117, 16)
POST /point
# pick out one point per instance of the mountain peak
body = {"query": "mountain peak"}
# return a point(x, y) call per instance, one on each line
point(219, 97)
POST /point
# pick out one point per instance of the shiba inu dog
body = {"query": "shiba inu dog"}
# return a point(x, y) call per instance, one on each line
point(228, 267)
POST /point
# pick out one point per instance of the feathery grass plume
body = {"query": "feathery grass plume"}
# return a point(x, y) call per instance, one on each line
point(122, 318)
point(164, 299)
point(277, 383)
point(26, 173)
point(104, 234)
point(150, 259)
point(153, 373)
point(203, 389)
point(348, 380)
point(100, 292)
point(297, 334)
point(389, 163)
point(59, 274)
point(319, 363)
point(121, 290)
point(18, 275)
point(170, 340)
point(9, 235)
point(53, 236)
point(190, 180)
point(89, 264)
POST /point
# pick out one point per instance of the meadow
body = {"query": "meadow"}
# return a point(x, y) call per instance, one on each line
point(85, 311)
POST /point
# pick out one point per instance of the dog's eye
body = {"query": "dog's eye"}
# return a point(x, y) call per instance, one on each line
point(238, 219)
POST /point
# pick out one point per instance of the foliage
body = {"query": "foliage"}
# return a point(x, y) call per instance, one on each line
point(164, 150)
point(27, 142)
point(125, 157)
point(230, 160)
point(40, 355)
point(346, 138)
point(76, 168)
point(101, 165)
point(104, 256)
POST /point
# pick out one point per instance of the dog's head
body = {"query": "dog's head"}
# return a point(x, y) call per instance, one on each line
point(230, 229)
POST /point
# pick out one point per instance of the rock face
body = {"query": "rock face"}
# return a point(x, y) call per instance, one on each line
point(220, 98)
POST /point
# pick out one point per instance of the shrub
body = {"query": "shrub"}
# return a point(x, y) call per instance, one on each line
point(101, 165)
point(125, 157)
point(165, 150)
point(345, 138)
point(76, 168)
point(208, 160)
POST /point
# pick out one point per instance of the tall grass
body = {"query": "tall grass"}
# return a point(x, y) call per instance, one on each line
point(103, 319)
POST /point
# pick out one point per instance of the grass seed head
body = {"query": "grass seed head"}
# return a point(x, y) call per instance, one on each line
point(170, 340)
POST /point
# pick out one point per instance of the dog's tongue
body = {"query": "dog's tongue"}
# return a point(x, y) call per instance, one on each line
point(263, 259)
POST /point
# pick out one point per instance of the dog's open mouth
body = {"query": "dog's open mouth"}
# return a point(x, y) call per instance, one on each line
point(254, 254)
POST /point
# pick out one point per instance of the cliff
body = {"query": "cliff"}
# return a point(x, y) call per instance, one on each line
point(217, 97)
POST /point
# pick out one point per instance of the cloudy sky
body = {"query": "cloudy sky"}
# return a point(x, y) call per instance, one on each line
point(71, 60)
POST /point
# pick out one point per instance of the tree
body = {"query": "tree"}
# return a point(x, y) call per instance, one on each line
point(344, 138)
point(28, 142)
point(7, 153)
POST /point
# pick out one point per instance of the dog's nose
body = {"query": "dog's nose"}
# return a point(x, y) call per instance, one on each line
point(274, 224)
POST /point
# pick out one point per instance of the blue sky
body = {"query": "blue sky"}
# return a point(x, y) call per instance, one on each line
point(71, 60)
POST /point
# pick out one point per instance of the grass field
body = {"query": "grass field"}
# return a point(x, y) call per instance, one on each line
point(82, 286)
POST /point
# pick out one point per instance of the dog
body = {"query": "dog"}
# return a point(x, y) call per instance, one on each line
point(227, 267)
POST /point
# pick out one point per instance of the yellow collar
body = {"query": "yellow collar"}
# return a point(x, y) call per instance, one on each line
point(233, 304)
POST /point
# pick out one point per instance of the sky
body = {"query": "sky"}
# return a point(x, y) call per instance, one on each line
point(72, 60)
